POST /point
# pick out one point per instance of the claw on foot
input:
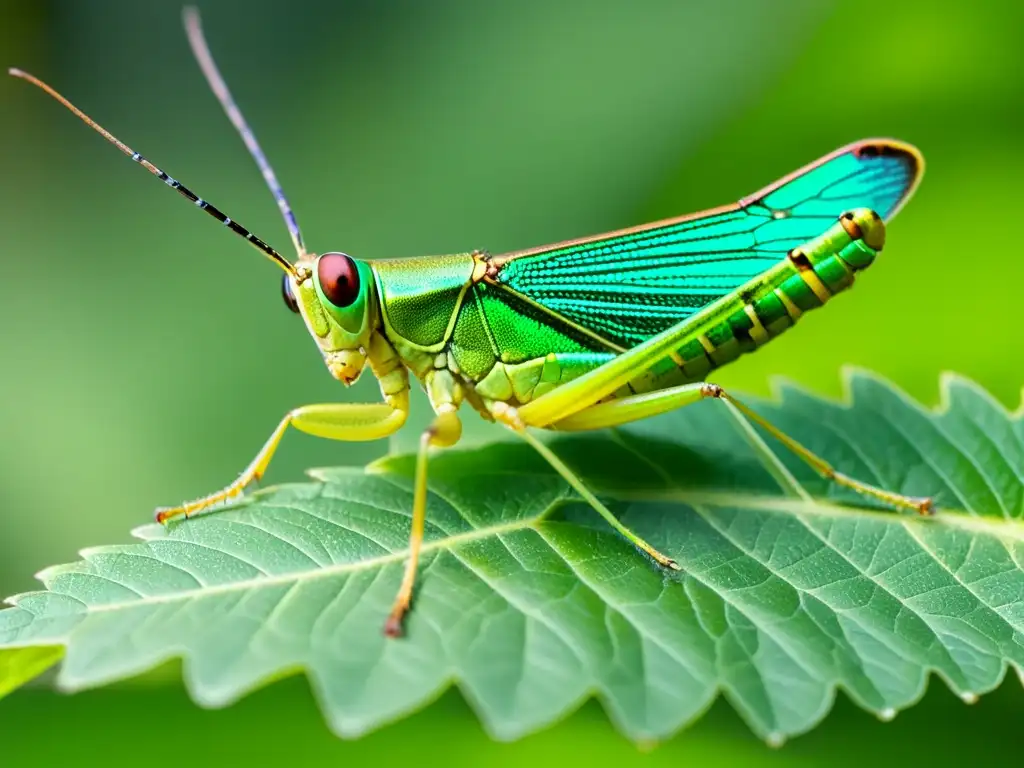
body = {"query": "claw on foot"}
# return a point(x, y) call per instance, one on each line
point(662, 560)
point(185, 510)
point(163, 515)
point(925, 507)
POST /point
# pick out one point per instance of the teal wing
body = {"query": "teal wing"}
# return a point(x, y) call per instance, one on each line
point(628, 285)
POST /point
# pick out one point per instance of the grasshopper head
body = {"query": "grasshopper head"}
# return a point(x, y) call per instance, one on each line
point(333, 294)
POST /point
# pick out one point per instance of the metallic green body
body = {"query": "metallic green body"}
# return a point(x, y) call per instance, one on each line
point(510, 328)
point(466, 325)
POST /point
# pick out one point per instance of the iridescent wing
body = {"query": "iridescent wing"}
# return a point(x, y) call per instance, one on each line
point(628, 285)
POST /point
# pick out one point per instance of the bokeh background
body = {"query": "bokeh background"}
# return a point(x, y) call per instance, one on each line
point(146, 354)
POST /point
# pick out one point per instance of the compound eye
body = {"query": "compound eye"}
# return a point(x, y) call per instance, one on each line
point(339, 279)
point(286, 293)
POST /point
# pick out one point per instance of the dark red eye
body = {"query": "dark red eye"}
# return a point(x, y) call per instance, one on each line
point(339, 279)
point(289, 297)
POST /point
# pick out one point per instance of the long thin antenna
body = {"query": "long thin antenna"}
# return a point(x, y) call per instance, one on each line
point(194, 29)
point(280, 260)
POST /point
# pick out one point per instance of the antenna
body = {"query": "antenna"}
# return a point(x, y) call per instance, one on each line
point(185, 192)
point(194, 29)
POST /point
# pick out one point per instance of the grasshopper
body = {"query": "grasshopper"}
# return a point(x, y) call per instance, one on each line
point(579, 335)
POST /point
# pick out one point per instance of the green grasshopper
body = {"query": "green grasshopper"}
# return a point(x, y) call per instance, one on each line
point(578, 335)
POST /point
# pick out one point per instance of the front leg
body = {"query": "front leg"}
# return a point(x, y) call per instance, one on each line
point(335, 421)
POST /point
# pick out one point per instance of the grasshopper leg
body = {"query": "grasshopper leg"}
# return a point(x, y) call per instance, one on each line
point(578, 485)
point(922, 505)
point(577, 403)
point(635, 407)
point(509, 416)
point(336, 421)
point(445, 431)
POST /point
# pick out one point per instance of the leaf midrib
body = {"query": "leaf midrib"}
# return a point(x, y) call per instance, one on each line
point(1003, 530)
point(329, 570)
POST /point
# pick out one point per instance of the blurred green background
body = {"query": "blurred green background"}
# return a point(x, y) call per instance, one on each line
point(146, 353)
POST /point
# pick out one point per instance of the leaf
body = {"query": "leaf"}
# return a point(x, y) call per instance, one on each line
point(530, 604)
point(19, 665)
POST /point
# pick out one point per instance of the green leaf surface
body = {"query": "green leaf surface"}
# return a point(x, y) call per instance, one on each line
point(530, 604)
point(19, 665)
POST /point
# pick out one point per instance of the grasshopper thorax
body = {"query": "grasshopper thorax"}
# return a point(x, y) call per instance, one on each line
point(334, 294)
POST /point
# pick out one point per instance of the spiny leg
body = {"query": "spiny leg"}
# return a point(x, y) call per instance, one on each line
point(336, 421)
point(444, 431)
point(596, 417)
point(584, 392)
point(624, 410)
point(577, 484)
point(922, 505)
